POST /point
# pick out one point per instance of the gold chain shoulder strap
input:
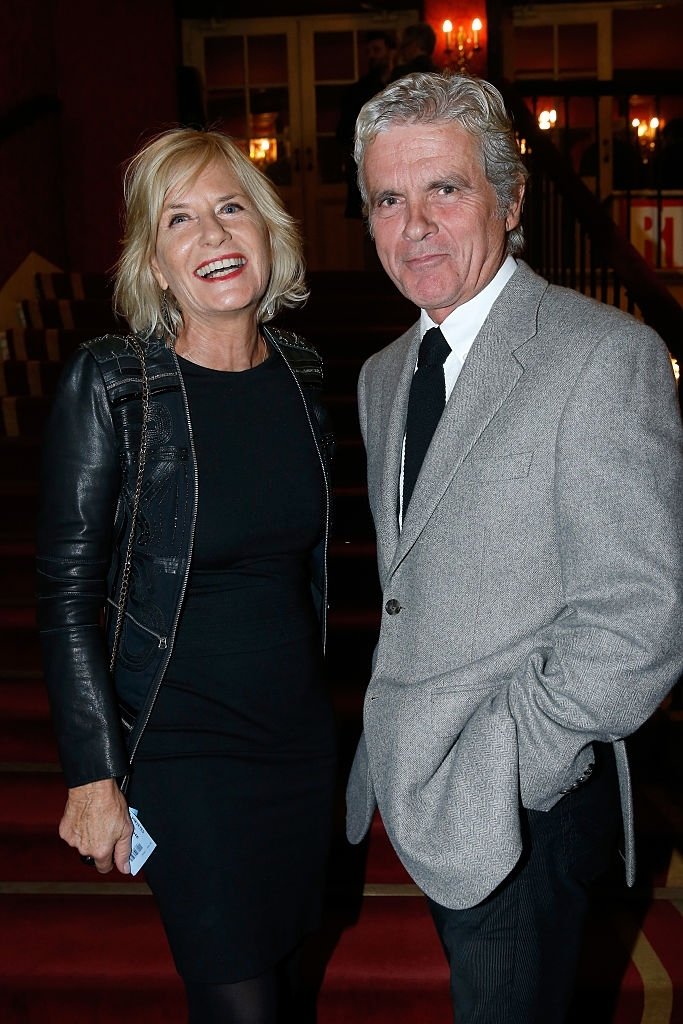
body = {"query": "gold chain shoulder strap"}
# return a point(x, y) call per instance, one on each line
point(125, 578)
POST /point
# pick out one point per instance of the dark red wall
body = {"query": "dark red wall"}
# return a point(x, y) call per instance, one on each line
point(29, 163)
point(112, 69)
point(116, 68)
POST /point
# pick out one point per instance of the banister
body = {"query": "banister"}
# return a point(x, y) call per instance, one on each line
point(586, 218)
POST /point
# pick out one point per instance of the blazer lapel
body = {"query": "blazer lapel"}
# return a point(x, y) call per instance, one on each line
point(487, 378)
point(396, 391)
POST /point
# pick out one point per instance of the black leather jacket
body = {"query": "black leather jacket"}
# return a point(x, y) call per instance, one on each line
point(89, 475)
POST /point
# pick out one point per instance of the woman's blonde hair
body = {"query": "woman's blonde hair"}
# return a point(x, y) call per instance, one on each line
point(174, 159)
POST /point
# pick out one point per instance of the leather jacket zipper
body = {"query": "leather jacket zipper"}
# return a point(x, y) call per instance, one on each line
point(327, 483)
point(161, 640)
point(168, 642)
point(146, 710)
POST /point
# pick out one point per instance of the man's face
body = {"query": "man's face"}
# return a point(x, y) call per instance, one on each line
point(410, 49)
point(378, 54)
point(434, 215)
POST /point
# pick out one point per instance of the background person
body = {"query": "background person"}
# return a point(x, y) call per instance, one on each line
point(416, 50)
point(231, 752)
point(381, 51)
point(525, 474)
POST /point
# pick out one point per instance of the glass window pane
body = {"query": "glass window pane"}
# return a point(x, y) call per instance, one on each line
point(267, 59)
point(271, 101)
point(577, 49)
point(227, 110)
point(224, 62)
point(328, 107)
point(269, 145)
point(648, 38)
point(534, 51)
point(334, 56)
point(330, 161)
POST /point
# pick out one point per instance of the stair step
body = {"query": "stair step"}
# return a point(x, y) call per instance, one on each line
point(53, 344)
point(352, 574)
point(27, 738)
point(17, 575)
point(24, 415)
point(31, 805)
point(387, 966)
point(86, 947)
point(20, 459)
point(60, 285)
point(40, 375)
point(29, 377)
point(93, 315)
point(18, 509)
point(76, 971)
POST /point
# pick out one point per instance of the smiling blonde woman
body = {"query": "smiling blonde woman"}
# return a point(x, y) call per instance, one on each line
point(186, 496)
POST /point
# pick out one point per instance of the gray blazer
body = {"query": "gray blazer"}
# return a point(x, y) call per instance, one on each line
point(539, 578)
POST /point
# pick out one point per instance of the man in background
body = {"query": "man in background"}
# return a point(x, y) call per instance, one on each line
point(416, 52)
point(381, 51)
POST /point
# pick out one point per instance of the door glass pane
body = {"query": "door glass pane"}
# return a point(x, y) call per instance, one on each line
point(227, 110)
point(330, 166)
point(534, 51)
point(269, 135)
point(331, 158)
point(648, 38)
point(224, 62)
point(579, 123)
point(334, 56)
point(249, 98)
point(267, 57)
point(577, 49)
point(328, 106)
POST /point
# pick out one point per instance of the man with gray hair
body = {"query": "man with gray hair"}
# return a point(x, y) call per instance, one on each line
point(525, 460)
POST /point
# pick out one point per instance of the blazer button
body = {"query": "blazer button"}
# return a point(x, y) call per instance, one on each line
point(393, 606)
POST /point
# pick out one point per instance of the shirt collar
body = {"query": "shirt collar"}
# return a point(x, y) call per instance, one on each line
point(461, 327)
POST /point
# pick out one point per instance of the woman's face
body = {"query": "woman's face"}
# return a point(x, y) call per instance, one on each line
point(212, 247)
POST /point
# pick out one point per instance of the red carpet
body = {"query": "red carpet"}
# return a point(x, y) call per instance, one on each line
point(79, 948)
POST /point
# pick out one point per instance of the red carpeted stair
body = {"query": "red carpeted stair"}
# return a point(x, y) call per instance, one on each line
point(79, 947)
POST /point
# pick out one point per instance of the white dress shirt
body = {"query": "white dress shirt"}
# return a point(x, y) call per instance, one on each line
point(460, 328)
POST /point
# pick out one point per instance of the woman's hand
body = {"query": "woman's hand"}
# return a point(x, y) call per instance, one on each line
point(96, 821)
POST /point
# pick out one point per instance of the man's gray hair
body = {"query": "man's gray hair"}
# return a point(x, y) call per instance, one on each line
point(475, 105)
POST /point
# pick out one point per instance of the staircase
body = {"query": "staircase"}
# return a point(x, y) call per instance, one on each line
point(77, 946)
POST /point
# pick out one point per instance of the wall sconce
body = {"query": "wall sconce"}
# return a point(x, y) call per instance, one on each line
point(547, 119)
point(646, 135)
point(466, 43)
point(262, 151)
point(263, 141)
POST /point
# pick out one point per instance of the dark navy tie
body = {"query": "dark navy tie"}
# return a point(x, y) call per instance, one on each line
point(425, 405)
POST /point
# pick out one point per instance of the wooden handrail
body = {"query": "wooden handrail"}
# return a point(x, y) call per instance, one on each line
point(663, 83)
point(611, 253)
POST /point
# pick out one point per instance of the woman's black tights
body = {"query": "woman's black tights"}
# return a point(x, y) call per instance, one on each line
point(254, 1001)
point(279, 996)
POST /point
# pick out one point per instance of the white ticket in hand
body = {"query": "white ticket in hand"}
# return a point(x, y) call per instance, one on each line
point(142, 844)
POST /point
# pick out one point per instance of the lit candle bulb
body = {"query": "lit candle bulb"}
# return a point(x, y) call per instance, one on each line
point(448, 29)
point(476, 29)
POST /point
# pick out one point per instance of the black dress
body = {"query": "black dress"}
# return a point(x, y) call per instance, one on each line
point(234, 774)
